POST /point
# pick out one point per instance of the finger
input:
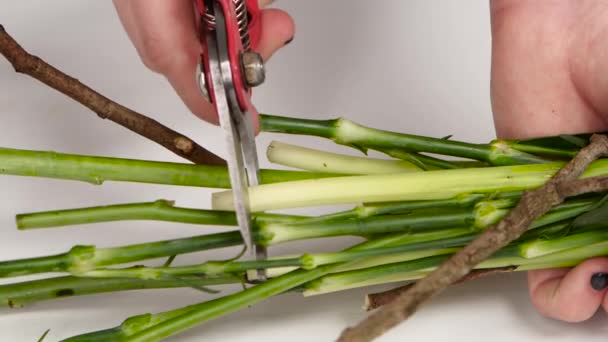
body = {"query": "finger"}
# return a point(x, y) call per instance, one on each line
point(164, 34)
point(123, 8)
point(567, 294)
point(278, 30)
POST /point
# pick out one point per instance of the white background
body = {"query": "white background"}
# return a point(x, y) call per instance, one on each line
point(414, 66)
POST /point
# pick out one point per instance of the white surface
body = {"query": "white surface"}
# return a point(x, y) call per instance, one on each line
point(415, 66)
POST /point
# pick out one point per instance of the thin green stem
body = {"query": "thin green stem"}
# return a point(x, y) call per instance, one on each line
point(96, 170)
point(210, 268)
point(20, 294)
point(483, 214)
point(426, 162)
point(418, 242)
point(82, 259)
point(160, 210)
point(348, 133)
point(373, 209)
point(154, 327)
point(273, 233)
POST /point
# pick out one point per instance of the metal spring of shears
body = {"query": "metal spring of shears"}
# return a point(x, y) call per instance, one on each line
point(240, 7)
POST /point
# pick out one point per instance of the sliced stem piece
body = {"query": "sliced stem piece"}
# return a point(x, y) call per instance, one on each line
point(320, 161)
point(430, 185)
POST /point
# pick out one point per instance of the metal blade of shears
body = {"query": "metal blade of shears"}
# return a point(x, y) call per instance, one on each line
point(241, 153)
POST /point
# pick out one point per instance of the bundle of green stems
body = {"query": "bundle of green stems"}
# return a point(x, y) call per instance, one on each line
point(413, 208)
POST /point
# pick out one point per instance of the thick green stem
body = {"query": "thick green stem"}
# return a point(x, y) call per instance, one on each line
point(82, 259)
point(160, 210)
point(96, 170)
point(429, 185)
point(20, 294)
point(348, 133)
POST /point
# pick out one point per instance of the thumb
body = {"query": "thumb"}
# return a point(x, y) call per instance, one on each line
point(567, 295)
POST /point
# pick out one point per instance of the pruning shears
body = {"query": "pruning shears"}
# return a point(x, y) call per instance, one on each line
point(228, 69)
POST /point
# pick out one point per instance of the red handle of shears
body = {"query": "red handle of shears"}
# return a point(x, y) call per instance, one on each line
point(235, 47)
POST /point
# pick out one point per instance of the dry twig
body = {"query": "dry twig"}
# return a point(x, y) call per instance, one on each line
point(378, 299)
point(532, 205)
point(31, 65)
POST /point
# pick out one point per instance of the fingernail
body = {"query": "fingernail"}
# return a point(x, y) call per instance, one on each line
point(599, 281)
point(288, 41)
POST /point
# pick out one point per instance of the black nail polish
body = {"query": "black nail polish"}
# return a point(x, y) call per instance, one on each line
point(288, 41)
point(599, 281)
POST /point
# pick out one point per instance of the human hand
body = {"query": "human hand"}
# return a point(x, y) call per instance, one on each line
point(550, 76)
point(165, 36)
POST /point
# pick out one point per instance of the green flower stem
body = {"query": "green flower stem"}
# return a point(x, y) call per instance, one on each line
point(483, 214)
point(417, 242)
point(82, 259)
point(320, 161)
point(418, 268)
point(429, 185)
point(202, 312)
point(160, 210)
point(96, 170)
point(381, 274)
point(373, 209)
point(425, 162)
point(210, 268)
point(274, 233)
point(542, 247)
point(153, 327)
point(20, 294)
point(543, 150)
point(348, 133)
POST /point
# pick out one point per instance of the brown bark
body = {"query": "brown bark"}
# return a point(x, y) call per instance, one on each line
point(532, 205)
point(378, 299)
point(31, 65)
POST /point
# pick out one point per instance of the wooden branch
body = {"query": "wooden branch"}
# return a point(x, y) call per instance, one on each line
point(376, 300)
point(31, 65)
point(532, 205)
